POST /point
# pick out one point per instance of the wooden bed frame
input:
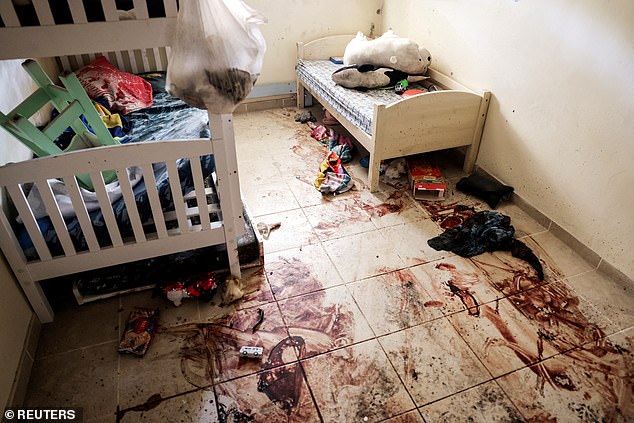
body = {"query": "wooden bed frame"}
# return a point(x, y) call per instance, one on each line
point(453, 117)
point(133, 45)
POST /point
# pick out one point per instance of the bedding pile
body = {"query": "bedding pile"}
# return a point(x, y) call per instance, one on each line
point(166, 118)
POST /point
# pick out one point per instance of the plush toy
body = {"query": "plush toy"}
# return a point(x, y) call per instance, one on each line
point(389, 50)
point(362, 77)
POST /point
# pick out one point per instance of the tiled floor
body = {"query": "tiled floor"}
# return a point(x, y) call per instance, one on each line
point(363, 320)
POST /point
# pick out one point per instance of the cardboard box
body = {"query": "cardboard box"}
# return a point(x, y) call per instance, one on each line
point(425, 179)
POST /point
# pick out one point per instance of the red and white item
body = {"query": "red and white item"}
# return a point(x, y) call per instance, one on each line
point(123, 91)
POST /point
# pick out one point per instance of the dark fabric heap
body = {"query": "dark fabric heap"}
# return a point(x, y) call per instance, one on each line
point(485, 231)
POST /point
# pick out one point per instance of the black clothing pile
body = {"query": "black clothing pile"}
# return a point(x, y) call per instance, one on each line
point(485, 231)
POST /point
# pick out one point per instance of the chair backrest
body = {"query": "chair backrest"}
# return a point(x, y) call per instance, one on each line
point(71, 102)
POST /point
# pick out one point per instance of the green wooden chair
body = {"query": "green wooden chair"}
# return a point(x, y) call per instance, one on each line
point(71, 101)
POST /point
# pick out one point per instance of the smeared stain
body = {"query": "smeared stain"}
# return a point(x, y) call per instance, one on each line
point(289, 277)
point(458, 286)
point(283, 384)
point(448, 215)
point(433, 304)
point(151, 403)
point(394, 204)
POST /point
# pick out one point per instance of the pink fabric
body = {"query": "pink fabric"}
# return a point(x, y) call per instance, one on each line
point(123, 91)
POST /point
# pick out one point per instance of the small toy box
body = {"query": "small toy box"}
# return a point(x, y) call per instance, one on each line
point(425, 179)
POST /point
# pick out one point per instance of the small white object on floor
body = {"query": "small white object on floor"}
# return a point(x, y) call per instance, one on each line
point(266, 228)
point(396, 168)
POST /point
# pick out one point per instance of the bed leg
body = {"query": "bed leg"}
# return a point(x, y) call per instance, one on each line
point(301, 92)
point(373, 173)
point(222, 140)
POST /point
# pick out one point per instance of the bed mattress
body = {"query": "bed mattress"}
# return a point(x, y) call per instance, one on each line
point(355, 106)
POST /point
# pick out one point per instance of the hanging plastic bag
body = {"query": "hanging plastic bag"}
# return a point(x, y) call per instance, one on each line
point(216, 55)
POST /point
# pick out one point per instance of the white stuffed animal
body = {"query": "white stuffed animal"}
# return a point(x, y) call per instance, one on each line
point(389, 50)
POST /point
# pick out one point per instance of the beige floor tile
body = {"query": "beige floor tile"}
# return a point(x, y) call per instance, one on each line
point(612, 298)
point(556, 255)
point(193, 407)
point(390, 208)
point(502, 338)
point(433, 361)
point(455, 284)
point(276, 395)
point(68, 331)
point(302, 186)
point(160, 371)
point(356, 383)
point(268, 198)
point(362, 256)
point(486, 403)
point(410, 241)
point(85, 378)
point(410, 417)
point(524, 224)
point(338, 219)
point(294, 231)
point(300, 270)
point(393, 301)
point(325, 320)
point(585, 385)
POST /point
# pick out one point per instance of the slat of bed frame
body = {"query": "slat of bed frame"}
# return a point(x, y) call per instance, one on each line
point(9, 17)
point(80, 211)
point(140, 9)
point(130, 204)
point(177, 195)
point(155, 202)
point(201, 198)
point(110, 10)
point(43, 10)
point(22, 206)
point(77, 11)
point(106, 209)
point(170, 8)
point(54, 213)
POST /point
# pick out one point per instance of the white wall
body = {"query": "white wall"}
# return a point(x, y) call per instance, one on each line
point(560, 127)
point(290, 21)
point(15, 312)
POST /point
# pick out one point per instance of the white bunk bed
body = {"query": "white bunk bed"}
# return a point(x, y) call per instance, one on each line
point(137, 45)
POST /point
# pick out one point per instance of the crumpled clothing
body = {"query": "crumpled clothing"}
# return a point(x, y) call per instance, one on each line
point(333, 178)
point(485, 231)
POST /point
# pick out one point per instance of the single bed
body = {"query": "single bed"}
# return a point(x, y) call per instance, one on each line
point(205, 216)
point(386, 125)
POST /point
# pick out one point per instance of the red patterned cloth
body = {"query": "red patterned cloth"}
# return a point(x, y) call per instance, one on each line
point(123, 91)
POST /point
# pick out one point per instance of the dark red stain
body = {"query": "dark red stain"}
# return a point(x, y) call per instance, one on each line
point(283, 384)
point(448, 215)
point(290, 277)
point(433, 304)
point(457, 286)
point(151, 403)
point(394, 204)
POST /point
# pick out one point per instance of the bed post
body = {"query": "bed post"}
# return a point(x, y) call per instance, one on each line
point(301, 91)
point(472, 150)
point(31, 288)
point(223, 148)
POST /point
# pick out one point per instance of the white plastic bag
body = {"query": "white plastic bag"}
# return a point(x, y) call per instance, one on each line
point(216, 55)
